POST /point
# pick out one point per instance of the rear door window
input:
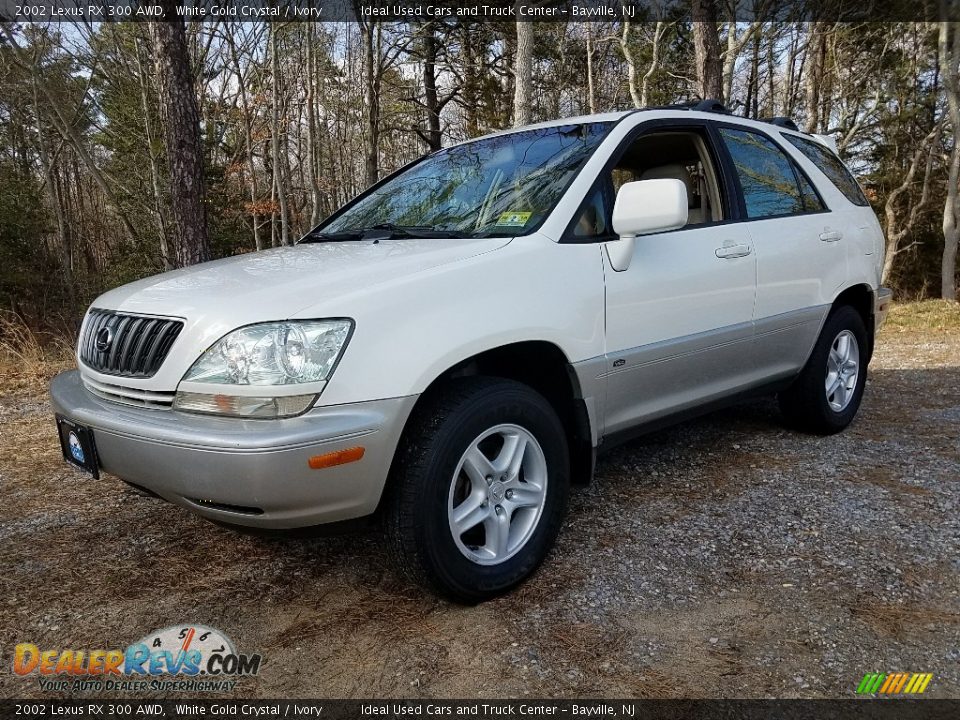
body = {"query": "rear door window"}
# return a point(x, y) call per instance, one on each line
point(770, 182)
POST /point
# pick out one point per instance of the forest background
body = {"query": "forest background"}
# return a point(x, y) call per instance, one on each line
point(130, 148)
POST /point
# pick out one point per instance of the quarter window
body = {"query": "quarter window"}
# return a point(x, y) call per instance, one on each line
point(772, 186)
point(831, 166)
point(811, 201)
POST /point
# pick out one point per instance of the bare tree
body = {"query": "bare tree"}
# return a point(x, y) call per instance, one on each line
point(154, 151)
point(813, 80)
point(591, 93)
point(523, 74)
point(949, 50)
point(640, 96)
point(178, 104)
point(898, 227)
point(428, 50)
point(627, 51)
point(372, 37)
point(735, 45)
point(431, 101)
point(65, 126)
point(248, 114)
point(276, 130)
point(706, 47)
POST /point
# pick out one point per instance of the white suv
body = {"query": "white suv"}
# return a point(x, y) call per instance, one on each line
point(451, 349)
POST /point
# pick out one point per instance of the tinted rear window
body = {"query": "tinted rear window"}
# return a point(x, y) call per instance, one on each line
point(831, 166)
point(767, 175)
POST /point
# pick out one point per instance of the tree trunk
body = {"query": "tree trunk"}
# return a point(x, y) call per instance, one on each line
point(470, 66)
point(178, 103)
point(56, 195)
point(706, 46)
point(523, 74)
point(312, 139)
point(896, 228)
point(627, 51)
point(371, 33)
point(248, 138)
point(591, 92)
point(156, 185)
point(951, 231)
point(755, 78)
point(431, 101)
point(948, 45)
point(816, 55)
point(279, 179)
point(658, 33)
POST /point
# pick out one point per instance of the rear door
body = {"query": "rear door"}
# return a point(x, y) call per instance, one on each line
point(800, 249)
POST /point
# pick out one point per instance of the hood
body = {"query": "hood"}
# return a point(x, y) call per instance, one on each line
point(279, 283)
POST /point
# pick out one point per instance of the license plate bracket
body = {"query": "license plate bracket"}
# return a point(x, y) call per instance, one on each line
point(77, 446)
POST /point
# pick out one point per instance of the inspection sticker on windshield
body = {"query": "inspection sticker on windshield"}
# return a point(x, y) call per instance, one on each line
point(513, 219)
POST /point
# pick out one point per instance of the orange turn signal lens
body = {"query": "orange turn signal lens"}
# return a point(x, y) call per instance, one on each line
point(332, 459)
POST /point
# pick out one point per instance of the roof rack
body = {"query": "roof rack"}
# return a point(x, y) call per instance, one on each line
point(671, 106)
point(710, 105)
point(714, 106)
point(783, 122)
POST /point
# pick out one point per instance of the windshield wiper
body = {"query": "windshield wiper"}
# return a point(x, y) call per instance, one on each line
point(315, 237)
point(390, 230)
point(384, 231)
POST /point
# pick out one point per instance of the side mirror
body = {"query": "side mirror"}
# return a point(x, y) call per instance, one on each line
point(650, 206)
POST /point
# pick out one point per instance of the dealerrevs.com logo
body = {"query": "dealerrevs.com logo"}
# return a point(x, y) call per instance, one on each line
point(190, 658)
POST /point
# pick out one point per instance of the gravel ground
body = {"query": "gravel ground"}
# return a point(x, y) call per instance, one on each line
point(726, 557)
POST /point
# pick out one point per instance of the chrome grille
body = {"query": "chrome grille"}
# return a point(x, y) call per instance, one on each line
point(130, 345)
point(128, 395)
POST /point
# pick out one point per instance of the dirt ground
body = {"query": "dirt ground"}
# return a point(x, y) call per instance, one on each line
point(726, 557)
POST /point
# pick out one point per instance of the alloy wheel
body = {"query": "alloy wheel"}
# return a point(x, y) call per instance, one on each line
point(497, 494)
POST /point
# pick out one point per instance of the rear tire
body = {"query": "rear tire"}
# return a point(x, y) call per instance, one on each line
point(826, 395)
point(479, 488)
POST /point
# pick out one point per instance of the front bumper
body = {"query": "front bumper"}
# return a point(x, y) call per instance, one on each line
point(883, 299)
point(245, 472)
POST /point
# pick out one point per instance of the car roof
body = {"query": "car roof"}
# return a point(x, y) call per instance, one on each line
point(652, 113)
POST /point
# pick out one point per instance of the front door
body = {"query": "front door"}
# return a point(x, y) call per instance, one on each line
point(679, 328)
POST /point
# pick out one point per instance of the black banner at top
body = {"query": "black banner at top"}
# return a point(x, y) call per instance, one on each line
point(40, 11)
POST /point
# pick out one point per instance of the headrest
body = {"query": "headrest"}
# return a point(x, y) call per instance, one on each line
point(673, 171)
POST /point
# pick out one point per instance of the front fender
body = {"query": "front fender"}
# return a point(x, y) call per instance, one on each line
point(410, 331)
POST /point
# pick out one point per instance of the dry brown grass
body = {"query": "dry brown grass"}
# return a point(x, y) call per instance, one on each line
point(899, 620)
point(924, 316)
point(885, 478)
point(29, 359)
point(391, 614)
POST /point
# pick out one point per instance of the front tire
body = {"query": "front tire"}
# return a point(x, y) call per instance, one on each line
point(826, 395)
point(479, 488)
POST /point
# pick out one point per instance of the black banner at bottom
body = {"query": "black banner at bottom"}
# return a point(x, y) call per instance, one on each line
point(868, 709)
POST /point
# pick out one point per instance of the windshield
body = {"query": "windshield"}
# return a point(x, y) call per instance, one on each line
point(502, 185)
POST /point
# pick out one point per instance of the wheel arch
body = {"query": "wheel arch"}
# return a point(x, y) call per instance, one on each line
point(543, 366)
point(861, 298)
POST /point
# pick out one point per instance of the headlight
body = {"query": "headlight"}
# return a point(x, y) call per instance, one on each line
point(267, 354)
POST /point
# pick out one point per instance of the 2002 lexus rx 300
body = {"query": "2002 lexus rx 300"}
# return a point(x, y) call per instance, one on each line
point(452, 348)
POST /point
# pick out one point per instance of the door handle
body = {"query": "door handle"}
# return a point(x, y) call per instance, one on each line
point(831, 235)
point(733, 251)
